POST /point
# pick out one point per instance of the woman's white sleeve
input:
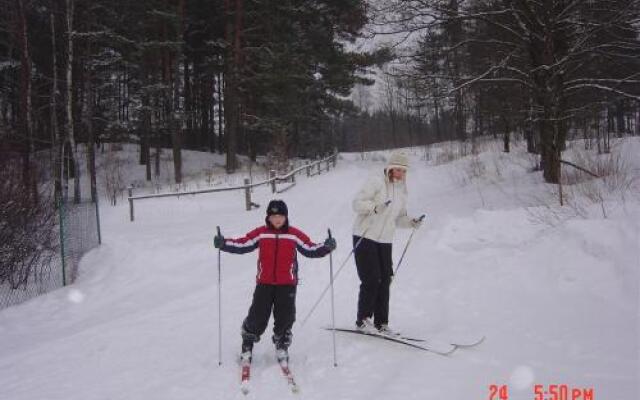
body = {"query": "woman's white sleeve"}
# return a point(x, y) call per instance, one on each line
point(364, 203)
point(403, 221)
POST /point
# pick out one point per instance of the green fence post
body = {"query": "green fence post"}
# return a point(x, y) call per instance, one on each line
point(64, 263)
point(98, 221)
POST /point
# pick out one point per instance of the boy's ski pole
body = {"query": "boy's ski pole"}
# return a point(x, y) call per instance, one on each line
point(326, 289)
point(304, 321)
point(333, 313)
point(407, 246)
point(219, 307)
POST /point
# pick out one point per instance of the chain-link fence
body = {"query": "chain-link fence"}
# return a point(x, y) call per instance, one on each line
point(77, 232)
point(42, 241)
point(80, 232)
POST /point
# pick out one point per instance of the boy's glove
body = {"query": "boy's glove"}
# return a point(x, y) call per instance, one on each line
point(380, 207)
point(218, 241)
point(330, 243)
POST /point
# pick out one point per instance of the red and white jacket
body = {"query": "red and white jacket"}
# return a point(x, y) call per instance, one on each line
point(277, 258)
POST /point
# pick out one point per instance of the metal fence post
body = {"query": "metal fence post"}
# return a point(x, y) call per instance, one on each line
point(247, 194)
point(130, 190)
point(272, 177)
point(293, 176)
point(62, 250)
point(98, 221)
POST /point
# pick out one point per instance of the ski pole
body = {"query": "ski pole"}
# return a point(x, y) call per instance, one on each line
point(333, 313)
point(219, 307)
point(304, 321)
point(406, 246)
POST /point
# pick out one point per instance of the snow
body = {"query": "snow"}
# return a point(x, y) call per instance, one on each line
point(555, 294)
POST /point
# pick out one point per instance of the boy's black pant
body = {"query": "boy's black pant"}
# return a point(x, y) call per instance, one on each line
point(280, 298)
point(375, 269)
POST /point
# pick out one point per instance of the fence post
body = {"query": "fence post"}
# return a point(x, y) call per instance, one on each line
point(247, 194)
point(293, 176)
point(272, 177)
point(62, 240)
point(319, 167)
point(328, 164)
point(308, 170)
point(335, 157)
point(130, 190)
point(98, 221)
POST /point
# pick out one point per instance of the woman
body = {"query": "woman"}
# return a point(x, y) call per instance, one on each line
point(381, 206)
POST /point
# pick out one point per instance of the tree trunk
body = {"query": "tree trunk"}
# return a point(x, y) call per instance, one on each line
point(436, 112)
point(57, 163)
point(70, 123)
point(26, 122)
point(550, 159)
point(232, 64)
point(507, 135)
point(221, 111)
point(145, 140)
point(91, 147)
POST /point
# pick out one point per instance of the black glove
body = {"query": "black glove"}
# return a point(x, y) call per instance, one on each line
point(218, 241)
point(416, 223)
point(330, 243)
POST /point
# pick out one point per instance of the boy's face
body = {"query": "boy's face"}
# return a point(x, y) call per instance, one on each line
point(277, 220)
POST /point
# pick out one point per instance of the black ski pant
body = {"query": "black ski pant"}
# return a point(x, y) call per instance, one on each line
point(282, 300)
point(375, 269)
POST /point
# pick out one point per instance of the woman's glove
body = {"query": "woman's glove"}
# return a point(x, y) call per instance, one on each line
point(380, 207)
point(417, 222)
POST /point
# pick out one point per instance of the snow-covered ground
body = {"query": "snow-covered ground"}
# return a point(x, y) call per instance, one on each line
point(554, 290)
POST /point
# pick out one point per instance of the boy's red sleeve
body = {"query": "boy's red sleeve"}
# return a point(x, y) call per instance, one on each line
point(245, 244)
point(306, 247)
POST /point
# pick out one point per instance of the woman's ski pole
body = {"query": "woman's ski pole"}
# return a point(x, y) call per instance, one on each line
point(333, 313)
point(407, 246)
point(304, 321)
point(219, 306)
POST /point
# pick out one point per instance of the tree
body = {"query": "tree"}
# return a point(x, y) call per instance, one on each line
point(558, 52)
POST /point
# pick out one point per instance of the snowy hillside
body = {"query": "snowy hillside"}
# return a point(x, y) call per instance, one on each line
point(555, 292)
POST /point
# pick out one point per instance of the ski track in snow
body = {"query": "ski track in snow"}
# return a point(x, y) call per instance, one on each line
point(558, 304)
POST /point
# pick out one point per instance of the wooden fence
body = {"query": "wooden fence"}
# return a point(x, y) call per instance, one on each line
point(312, 168)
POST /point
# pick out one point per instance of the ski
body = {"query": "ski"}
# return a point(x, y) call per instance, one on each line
point(464, 342)
point(461, 342)
point(283, 361)
point(286, 371)
point(245, 364)
point(443, 349)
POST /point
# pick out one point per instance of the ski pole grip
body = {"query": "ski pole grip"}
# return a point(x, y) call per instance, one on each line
point(422, 217)
point(329, 232)
point(218, 228)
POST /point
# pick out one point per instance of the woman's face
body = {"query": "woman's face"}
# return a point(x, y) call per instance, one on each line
point(277, 220)
point(397, 174)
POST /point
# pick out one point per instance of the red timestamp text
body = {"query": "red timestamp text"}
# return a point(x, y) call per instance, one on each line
point(562, 392)
point(545, 392)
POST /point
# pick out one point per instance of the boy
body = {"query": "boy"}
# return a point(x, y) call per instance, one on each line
point(277, 276)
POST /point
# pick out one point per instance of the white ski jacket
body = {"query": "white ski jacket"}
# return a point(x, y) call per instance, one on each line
point(380, 225)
